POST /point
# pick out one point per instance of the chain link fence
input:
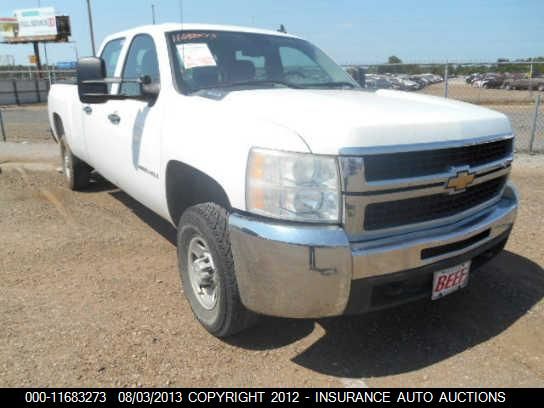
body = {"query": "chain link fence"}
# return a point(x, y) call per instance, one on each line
point(513, 88)
point(27, 123)
point(19, 87)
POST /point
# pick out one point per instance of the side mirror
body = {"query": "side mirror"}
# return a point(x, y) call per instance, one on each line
point(91, 84)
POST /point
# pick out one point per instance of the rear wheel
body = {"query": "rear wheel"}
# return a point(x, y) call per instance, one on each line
point(541, 87)
point(207, 271)
point(76, 172)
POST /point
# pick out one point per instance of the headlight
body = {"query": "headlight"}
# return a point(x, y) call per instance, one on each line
point(293, 186)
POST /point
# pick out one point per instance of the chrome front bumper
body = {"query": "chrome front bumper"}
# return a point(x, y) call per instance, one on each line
point(292, 270)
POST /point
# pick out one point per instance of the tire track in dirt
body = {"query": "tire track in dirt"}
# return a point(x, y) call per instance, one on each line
point(50, 197)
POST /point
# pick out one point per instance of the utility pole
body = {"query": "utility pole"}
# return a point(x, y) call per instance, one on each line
point(45, 55)
point(44, 49)
point(91, 25)
point(36, 45)
point(153, 13)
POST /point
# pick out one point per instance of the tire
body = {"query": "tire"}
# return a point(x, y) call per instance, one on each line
point(77, 173)
point(207, 271)
point(541, 87)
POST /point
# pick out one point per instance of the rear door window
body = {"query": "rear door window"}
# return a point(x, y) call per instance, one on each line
point(110, 55)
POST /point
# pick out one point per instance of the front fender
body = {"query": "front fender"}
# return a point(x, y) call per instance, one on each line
point(218, 143)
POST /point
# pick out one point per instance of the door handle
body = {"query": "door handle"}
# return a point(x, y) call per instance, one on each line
point(87, 109)
point(114, 118)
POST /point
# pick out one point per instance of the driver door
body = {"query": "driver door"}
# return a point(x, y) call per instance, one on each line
point(134, 126)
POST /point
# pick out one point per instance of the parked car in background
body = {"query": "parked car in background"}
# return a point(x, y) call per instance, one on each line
point(378, 82)
point(473, 77)
point(489, 81)
point(432, 78)
point(357, 73)
point(409, 85)
point(394, 83)
point(400, 81)
point(421, 83)
point(524, 83)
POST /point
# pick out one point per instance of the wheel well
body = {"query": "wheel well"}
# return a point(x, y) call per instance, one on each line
point(59, 128)
point(187, 186)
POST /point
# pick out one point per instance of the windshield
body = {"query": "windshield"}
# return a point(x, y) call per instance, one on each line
point(220, 59)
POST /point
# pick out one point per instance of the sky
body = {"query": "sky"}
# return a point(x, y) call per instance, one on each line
point(350, 31)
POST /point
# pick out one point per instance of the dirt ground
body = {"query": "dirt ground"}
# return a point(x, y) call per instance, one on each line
point(90, 296)
point(459, 89)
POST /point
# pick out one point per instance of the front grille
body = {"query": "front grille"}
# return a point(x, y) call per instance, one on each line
point(420, 209)
point(421, 163)
point(456, 246)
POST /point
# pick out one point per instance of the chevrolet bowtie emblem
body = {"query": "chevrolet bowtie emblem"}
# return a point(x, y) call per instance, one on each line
point(460, 181)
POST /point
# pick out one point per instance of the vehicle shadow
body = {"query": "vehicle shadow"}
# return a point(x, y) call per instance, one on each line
point(160, 225)
point(415, 335)
point(97, 184)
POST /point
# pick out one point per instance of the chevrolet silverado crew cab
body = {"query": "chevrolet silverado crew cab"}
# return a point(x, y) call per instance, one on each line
point(295, 193)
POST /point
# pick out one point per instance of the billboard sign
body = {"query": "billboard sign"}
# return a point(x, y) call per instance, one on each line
point(36, 22)
point(8, 27)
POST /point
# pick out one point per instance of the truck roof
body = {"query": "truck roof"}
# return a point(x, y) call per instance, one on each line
point(167, 27)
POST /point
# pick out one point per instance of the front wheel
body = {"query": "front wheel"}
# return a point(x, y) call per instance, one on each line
point(207, 271)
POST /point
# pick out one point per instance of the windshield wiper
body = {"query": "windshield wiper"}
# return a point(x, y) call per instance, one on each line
point(248, 83)
point(330, 85)
point(266, 82)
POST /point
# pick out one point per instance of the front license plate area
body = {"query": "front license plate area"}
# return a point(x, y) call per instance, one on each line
point(449, 280)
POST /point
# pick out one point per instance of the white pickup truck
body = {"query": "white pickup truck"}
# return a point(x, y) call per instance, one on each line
point(295, 193)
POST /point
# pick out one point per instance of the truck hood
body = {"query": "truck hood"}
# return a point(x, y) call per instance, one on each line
point(330, 120)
